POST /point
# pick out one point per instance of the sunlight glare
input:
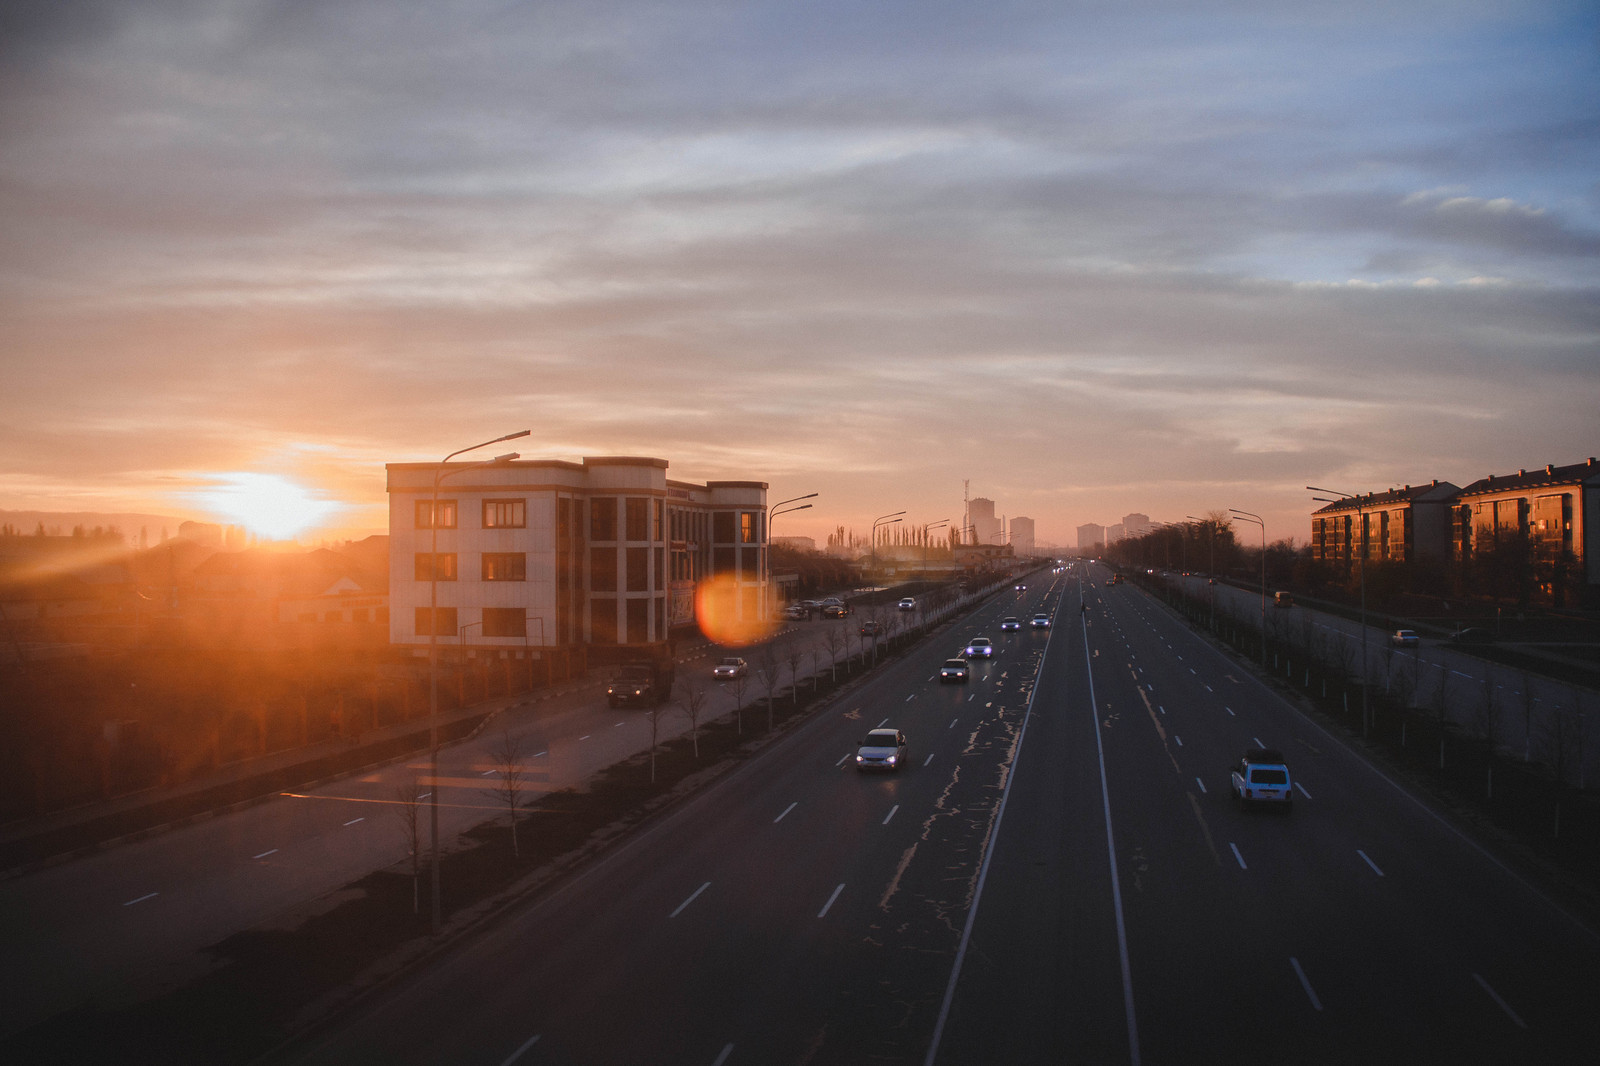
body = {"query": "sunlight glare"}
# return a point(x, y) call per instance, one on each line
point(268, 505)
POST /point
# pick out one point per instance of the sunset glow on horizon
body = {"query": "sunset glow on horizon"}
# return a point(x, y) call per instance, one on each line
point(271, 507)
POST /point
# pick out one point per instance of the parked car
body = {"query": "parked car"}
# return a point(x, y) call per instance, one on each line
point(1404, 638)
point(1262, 776)
point(980, 648)
point(881, 749)
point(1011, 621)
point(1472, 636)
point(953, 670)
point(1040, 621)
point(795, 613)
point(729, 668)
point(907, 604)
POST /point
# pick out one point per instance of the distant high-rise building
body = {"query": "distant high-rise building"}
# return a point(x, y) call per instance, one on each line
point(985, 526)
point(1116, 533)
point(1091, 537)
point(1022, 535)
point(1136, 525)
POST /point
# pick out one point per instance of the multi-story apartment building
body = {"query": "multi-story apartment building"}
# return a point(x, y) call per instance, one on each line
point(550, 553)
point(1401, 525)
point(1555, 512)
point(1022, 536)
point(1092, 538)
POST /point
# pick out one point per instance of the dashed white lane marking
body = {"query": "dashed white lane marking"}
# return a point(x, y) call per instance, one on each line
point(1230, 711)
point(1178, 739)
point(886, 817)
point(1305, 984)
point(1302, 789)
point(353, 821)
point(786, 810)
point(842, 758)
point(694, 896)
point(1209, 688)
point(542, 754)
point(726, 1051)
point(1502, 1004)
point(1258, 742)
point(1201, 783)
point(928, 760)
point(264, 854)
point(1237, 857)
point(619, 725)
point(486, 773)
point(425, 795)
point(1369, 862)
point(1160, 708)
point(909, 698)
point(881, 724)
point(823, 913)
point(952, 724)
point(586, 736)
point(517, 1054)
point(141, 899)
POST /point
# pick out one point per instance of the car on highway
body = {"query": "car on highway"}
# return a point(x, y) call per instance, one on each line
point(870, 628)
point(881, 749)
point(953, 670)
point(1472, 636)
point(1021, 587)
point(907, 603)
point(980, 648)
point(729, 668)
point(1011, 621)
point(1040, 621)
point(834, 610)
point(1262, 776)
point(795, 613)
point(1404, 638)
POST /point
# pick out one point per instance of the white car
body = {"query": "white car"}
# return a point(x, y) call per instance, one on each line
point(908, 604)
point(1040, 621)
point(1011, 622)
point(729, 668)
point(1262, 776)
point(980, 648)
point(882, 749)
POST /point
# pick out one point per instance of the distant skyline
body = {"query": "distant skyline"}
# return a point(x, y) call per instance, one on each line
point(1096, 259)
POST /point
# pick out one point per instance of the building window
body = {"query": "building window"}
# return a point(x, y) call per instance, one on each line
point(505, 621)
point(359, 614)
point(657, 531)
point(443, 566)
point(638, 569)
point(722, 527)
point(446, 619)
point(603, 621)
point(505, 514)
point(447, 514)
point(603, 518)
point(638, 518)
point(638, 621)
point(603, 569)
point(747, 527)
point(505, 566)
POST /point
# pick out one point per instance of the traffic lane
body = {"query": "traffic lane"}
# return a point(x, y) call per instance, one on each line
point(1041, 979)
point(1328, 875)
point(760, 977)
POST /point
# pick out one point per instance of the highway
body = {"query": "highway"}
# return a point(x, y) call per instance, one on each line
point(1058, 875)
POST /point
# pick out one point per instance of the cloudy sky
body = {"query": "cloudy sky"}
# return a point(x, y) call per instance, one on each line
point(1093, 257)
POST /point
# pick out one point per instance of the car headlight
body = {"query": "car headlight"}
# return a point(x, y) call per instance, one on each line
point(893, 759)
point(861, 758)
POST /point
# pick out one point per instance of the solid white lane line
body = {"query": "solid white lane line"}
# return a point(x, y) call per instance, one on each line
point(691, 899)
point(1502, 1004)
point(141, 899)
point(1310, 993)
point(786, 810)
point(264, 854)
point(1302, 789)
point(1201, 783)
point(517, 1054)
point(1239, 858)
point(886, 817)
point(823, 913)
point(928, 760)
point(1369, 862)
point(726, 1051)
point(842, 758)
point(353, 821)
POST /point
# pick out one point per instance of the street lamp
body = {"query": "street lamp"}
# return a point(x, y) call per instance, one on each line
point(886, 520)
point(433, 647)
point(1248, 517)
point(1361, 517)
point(772, 513)
point(925, 529)
point(1211, 568)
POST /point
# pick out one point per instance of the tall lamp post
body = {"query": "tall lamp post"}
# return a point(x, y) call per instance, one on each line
point(1248, 517)
point(772, 513)
point(433, 649)
point(1211, 568)
point(925, 529)
point(1361, 547)
point(886, 520)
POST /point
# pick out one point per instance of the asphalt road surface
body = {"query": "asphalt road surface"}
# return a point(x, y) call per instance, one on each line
point(1057, 875)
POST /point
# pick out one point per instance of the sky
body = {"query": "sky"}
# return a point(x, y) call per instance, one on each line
point(1090, 258)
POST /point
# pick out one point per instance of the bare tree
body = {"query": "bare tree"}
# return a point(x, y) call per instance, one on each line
point(1527, 716)
point(1441, 710)
point(739, 684)
point(793, 654)
point(1486, 722)
point(693, 703)
point(1563, 743)
point(834, 637)
point(506, 752)
point(769, 676)
point(408, 810)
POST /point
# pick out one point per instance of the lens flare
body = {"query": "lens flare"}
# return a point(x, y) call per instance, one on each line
point(266, 504)
point(730, 614)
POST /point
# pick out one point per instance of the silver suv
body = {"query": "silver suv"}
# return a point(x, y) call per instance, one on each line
point(1262, 776)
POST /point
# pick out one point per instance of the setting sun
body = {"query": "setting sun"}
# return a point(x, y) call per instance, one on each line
point(266, 504)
